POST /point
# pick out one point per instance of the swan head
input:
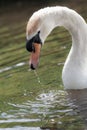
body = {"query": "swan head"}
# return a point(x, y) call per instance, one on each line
point(38, 28)
point(34, 46)
point(34, 42)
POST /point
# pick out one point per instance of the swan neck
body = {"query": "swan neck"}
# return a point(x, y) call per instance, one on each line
point(62, 16)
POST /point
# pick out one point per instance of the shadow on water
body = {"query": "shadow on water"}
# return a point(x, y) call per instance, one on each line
point(79, 99)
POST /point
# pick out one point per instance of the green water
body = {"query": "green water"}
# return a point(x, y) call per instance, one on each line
point(34, 100)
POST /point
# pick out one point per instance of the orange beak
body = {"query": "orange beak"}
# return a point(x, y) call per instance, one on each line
point(34, 58)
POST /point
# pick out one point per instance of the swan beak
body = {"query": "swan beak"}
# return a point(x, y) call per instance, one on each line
point(34, 57)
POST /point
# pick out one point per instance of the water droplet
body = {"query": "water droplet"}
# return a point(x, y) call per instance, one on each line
point(38, 78)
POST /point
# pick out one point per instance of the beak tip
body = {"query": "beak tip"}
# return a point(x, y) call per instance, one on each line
point(32, 67)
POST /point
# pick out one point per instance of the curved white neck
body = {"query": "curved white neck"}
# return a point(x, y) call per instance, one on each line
point(62, 16)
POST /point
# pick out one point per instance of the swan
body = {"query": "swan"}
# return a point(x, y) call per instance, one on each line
point(40, 25)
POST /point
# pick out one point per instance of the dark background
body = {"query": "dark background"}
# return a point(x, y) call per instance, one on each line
point(20, 2)
point(25, 2)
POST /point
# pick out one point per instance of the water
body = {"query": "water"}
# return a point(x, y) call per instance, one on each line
point(52, 110)
point(12, 67)
point(21, 128)
point(38, 78)
point(36, 100)
point(79, 98)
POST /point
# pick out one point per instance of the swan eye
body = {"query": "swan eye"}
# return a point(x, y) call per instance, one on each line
point(30, 43)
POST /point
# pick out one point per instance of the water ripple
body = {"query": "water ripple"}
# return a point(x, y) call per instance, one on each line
point(19, 120)
point(44, 104)
point(21, 128)
point(11, 67)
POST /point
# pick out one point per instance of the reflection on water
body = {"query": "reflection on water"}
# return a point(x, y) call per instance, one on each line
point(51, 110)
point(44, 105)
point(21, 128)
point(79, 98)
point(12, 67)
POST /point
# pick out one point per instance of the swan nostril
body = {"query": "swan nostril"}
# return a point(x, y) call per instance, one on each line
point(32, 67)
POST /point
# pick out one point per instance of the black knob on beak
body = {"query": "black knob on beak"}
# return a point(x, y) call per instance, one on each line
point(30, 43)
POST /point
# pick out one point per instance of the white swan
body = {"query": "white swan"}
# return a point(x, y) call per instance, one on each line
point(39, 26)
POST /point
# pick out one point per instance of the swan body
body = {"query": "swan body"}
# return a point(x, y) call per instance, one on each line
point(74, 72)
